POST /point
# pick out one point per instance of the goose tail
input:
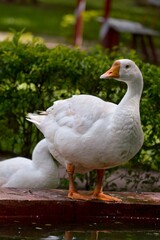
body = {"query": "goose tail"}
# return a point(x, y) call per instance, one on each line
point(36, 118)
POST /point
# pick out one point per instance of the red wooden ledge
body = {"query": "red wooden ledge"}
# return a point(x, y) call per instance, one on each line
point(53, 206)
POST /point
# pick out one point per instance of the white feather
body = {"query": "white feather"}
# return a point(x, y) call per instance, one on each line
point(40, 172)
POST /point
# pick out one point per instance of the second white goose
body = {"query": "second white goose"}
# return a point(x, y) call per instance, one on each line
point(40, 172)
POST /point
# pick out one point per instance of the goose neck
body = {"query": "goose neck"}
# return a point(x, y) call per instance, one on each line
point(41, 156)
point(133, 94)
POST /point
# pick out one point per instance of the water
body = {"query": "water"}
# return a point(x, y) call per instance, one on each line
point(109, 231)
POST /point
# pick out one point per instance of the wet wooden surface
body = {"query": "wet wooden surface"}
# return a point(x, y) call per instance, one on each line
point(54, 206)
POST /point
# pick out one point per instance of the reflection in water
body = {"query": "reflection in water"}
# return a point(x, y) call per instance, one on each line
point(116, 231)
point(70, 235)
point(106, 235)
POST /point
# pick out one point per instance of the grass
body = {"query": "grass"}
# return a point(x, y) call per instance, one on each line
point(55, 17)
point(37, 19)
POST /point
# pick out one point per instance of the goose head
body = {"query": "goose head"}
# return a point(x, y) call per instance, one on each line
point(123, 70)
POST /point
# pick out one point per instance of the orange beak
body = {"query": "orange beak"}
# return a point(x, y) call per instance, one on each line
point(113, 72)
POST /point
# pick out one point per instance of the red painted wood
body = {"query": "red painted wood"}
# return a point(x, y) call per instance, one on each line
point(107, 7)
point(78, 29)
point(53, 206)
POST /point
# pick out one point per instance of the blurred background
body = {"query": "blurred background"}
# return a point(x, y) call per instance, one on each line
point(33, 76)
point(61, 21)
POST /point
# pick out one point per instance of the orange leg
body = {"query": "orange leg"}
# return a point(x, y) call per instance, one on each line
point(73, 193)
point(98, 193)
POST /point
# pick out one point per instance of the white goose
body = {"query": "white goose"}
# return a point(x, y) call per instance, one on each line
point(40, 172)
point(85, 133)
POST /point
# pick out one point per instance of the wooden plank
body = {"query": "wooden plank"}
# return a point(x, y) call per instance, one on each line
point(155, 3)
point(53, 206)
point(121, 25)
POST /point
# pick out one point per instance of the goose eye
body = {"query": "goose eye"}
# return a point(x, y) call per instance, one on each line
point(127, 66)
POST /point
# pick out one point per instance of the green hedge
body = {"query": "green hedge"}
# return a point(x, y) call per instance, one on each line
point(32, 77)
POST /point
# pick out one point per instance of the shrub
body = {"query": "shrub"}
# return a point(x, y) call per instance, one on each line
point(32, 77)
